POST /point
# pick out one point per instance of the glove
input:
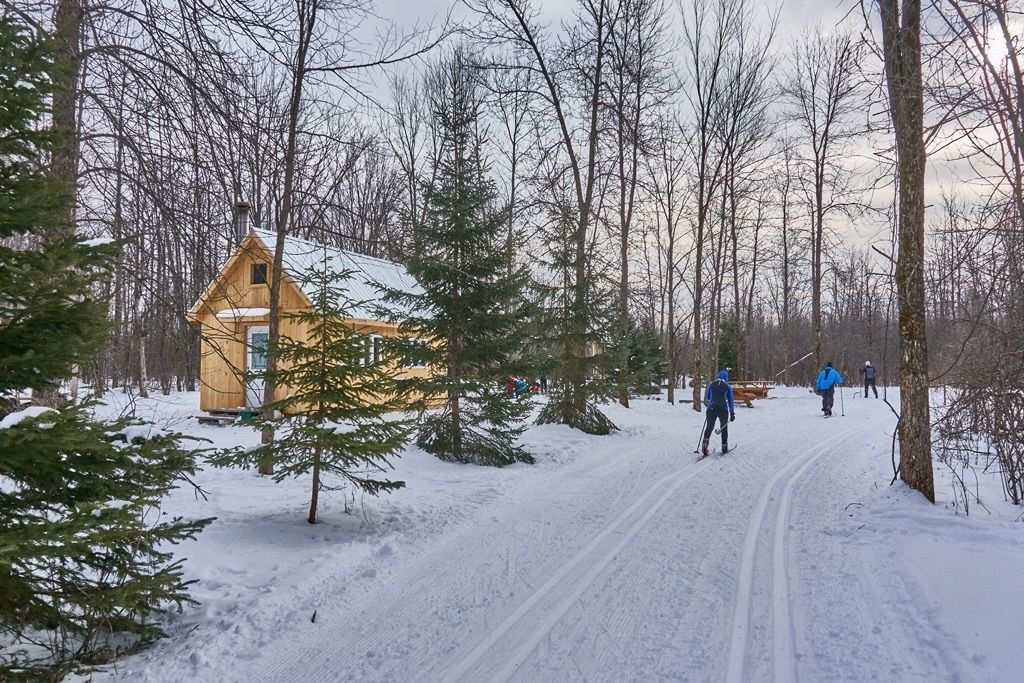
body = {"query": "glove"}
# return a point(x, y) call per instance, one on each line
point(732, 417)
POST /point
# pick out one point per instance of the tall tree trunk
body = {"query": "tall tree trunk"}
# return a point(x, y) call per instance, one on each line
point(671, 317)
point(140, 343)
point(817, 238)
point(901, 41)
point(623, 272)
point(307, 20)
point(786, 341)
point(67, 24)
point(740, 368)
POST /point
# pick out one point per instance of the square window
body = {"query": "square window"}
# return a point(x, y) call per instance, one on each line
point(259, 273)
point(410, 360)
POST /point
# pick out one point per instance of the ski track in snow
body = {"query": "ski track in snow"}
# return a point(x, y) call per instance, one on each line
point(782, 632)
point(414, 590)
point(595, 553)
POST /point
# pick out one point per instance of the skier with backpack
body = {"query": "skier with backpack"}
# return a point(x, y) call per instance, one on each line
point(869, 378)
point(718, 398)
point(825, 386)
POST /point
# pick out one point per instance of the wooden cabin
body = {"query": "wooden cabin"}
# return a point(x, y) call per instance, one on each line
point(234, 313)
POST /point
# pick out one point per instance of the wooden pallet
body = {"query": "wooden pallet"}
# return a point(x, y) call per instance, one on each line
point(220, 418)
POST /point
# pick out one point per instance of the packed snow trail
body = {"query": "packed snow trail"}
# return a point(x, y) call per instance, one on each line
point(741, 616)
point(599, 558)
point(625, 558)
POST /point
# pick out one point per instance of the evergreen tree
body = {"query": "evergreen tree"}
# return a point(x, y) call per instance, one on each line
point(473, 308)
point(46, 324)
point(728, 346)
point(341, 389)
point(84, 564)
point(83, 567)
point(646, 357)
point(576, 328)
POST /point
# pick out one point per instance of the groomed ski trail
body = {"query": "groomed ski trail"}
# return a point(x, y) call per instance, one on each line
point(442, 573)
point(594, 551)
point(784, 665)
point(625, 561)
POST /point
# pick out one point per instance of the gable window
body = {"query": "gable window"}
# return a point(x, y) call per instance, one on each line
point(259, 273)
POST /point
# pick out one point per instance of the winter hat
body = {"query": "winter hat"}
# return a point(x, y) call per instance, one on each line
point(867, 363)
point(828, 364)
point(724, 374)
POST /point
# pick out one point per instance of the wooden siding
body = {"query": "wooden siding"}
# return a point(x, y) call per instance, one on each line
point(223, 354)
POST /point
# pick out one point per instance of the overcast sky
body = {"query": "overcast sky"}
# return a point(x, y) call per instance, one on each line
point(796, 18)
point(795, 15)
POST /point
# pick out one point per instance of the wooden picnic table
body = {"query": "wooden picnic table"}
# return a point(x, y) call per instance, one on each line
point(748, 392)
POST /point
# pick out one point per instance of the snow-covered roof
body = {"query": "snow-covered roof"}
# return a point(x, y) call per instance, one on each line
point(369, 275)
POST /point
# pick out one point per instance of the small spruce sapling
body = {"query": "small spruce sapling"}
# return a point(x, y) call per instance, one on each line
point(339, 425)
point(85, 562)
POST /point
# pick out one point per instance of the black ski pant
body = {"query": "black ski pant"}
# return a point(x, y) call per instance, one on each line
point(722, 415)
point(828, 398)
point(870, 383)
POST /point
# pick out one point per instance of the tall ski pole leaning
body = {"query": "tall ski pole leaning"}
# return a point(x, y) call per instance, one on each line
point(793, 363)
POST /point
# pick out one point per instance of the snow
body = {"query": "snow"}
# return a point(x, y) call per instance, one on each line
point(612, 558)
point(370, 276)
point(138, 433)
point(231, 313)
point(14, 418)
point(96, 241)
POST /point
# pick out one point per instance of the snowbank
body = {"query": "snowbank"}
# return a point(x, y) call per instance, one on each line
point(14, 418)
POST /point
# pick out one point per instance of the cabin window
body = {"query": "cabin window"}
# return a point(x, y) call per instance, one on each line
point(373, 350)
point(411, 358)
point(259, 273)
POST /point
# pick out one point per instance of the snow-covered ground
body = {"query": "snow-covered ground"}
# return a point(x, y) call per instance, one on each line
point(613, 558)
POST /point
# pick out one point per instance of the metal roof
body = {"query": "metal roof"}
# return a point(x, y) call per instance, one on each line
point(370, 276)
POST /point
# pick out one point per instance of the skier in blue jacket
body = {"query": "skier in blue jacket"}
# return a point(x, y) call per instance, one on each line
point(828, 378)
point(718, 398)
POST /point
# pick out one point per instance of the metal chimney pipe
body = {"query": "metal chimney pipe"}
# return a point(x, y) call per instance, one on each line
point(242, 208)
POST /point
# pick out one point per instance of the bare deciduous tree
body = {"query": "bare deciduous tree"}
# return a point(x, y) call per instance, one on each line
point(901, 45)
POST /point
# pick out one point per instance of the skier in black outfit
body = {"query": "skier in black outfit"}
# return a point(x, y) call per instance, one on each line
point(718, 398)
point(869, 378)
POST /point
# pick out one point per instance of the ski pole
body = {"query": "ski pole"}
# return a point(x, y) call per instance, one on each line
point(792, 364)
point(842, 408)
point(701, 436)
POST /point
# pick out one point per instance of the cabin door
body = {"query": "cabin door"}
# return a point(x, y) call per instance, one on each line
point(256, 364)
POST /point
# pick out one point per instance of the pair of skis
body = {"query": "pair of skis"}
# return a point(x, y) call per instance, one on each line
point(719, 453)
